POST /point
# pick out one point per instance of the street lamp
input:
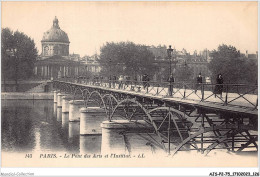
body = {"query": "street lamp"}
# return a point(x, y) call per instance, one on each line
point(175, 61)
point(169, 52)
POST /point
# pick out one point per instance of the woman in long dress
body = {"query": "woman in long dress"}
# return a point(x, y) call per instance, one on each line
point(219, 85)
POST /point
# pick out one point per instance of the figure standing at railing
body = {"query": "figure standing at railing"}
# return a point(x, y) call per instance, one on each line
point(121, 80)
point(127, 81)
point(219, 85)
point(198, 83)
point(114, 81)
point(100, 80)
point(145, 80)
point(171, 81)
point(95, 80)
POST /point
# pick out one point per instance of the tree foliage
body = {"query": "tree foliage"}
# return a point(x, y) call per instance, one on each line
point(234, 67)
point(184, 74)
point(19, 63)
point(126, 58)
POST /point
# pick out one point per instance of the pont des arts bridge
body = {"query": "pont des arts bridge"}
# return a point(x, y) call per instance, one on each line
point(192, 119)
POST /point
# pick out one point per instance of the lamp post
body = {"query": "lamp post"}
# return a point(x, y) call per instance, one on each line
point(86, 73)
point(175, 61)
point(169, 52)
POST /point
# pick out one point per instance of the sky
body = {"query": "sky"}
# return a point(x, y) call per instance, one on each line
point(89, 25)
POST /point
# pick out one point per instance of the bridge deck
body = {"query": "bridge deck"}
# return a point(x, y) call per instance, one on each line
point(238, 108)
point(201, 131)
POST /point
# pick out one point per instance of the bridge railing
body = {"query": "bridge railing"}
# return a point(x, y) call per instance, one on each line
point(226, 94)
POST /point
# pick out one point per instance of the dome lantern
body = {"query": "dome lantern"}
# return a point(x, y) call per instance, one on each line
point(55, 34)
point(56, 23)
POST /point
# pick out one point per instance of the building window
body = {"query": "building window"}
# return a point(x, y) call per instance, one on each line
point(55, 50)
point(35, 70)
point(46, 50)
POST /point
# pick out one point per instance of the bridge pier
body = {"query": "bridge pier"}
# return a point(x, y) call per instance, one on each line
point(90, 119)
point(65, 103)
point(55, 110)
point(115, 136)
point(73, 129)
point(55, 93)
point(59, 114)
point(59, 99)
point(65, 119)
point(74, 107)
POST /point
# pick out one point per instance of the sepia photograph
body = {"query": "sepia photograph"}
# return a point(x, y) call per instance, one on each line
point(129, 84)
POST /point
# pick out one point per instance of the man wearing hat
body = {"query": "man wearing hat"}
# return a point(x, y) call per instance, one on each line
point(199, 82)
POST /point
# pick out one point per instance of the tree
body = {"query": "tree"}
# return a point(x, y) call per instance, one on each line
point(18, 55)
point(234, 67)
point(126, 58)
point(184, 73)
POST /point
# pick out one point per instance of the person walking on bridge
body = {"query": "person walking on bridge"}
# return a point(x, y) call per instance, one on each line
point(114, 79)
point(121, 80)
point(219, 85)
point(198, 83)
point(145, 80)
point(171, 81)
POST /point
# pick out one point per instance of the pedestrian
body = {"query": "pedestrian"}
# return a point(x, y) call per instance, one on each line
point(127, 81)
point(145, 80)
point(219, 85)
point(198, 83)
point(135, 81)
point(100, 79)
point(95, 80)
point(121, 80)
point(171, 81)
point(114, 78)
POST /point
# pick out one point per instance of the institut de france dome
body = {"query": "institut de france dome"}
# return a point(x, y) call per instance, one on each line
point(55, 41)
point(55, 60)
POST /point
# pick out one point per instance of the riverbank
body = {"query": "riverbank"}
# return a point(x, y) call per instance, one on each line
point(26, 96)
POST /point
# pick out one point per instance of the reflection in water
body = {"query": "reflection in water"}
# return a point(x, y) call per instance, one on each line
point(73, 129)
point(65, 119)
point(55, 110)
point(37, 146)
point(90, 144)
point(73, 137)
point(59, 114)
point(41, 126)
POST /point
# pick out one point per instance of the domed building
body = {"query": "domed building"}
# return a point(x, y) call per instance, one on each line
point(55, 60)
point(55, 41)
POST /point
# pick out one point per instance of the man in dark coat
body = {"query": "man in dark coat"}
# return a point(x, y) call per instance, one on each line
point(114, 79)
point(198, 83)
point(171, 81)
point(145, 80)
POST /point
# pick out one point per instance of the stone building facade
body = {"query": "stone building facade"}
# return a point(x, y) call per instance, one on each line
point(55, 60)
point(198, 63)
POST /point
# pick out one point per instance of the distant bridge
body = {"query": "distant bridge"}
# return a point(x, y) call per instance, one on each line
point(187, 120)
